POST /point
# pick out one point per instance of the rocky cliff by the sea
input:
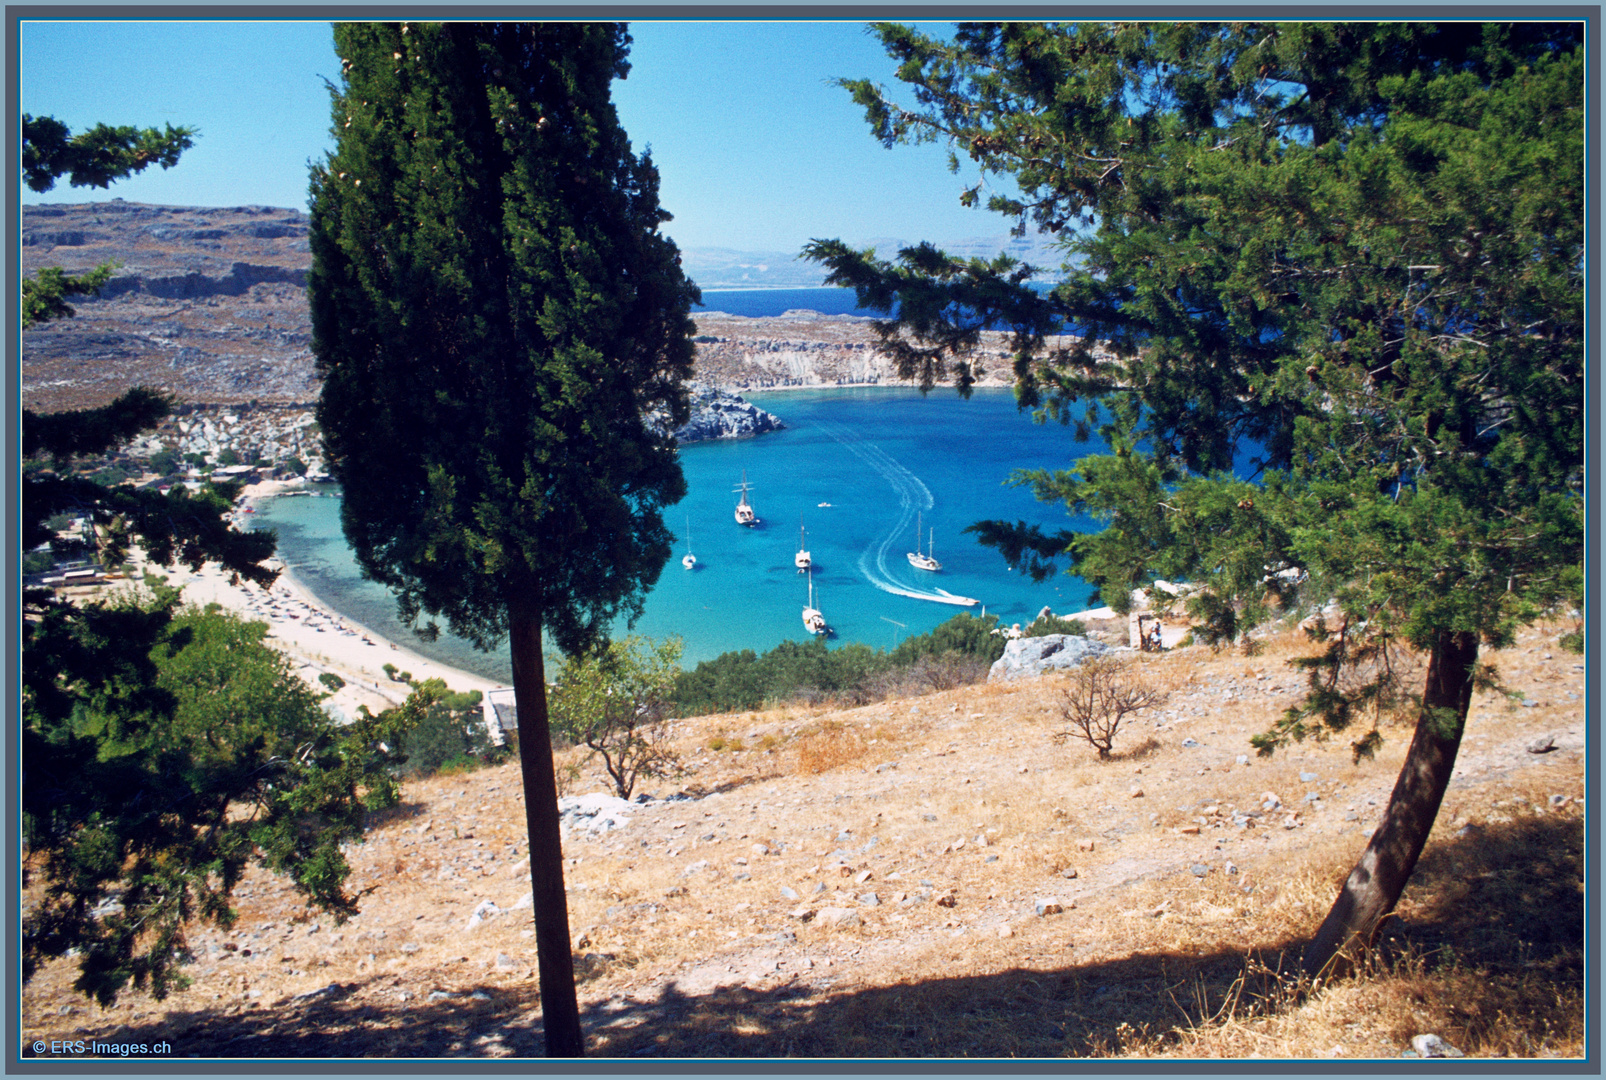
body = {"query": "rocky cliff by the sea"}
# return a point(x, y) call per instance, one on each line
point(716, 413)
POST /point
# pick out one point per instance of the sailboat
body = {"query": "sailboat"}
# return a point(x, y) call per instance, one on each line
point(802, 559)
point(813, 620)
point(744, 509)
point(916, 559)
point(688, 560)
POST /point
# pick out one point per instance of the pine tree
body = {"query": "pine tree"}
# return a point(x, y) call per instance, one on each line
point(502, 331)
point(1354, 250)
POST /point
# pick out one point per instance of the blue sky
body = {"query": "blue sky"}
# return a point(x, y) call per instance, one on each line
point(757, 151)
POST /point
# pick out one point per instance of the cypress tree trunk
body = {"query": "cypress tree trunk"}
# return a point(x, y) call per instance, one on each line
point(1374, 886)
point(560, 1010)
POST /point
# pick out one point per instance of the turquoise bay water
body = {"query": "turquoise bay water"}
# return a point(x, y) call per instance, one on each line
point(878, 456)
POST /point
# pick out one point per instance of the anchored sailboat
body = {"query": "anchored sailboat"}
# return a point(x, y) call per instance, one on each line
point(813, 620)
point(916, 559)
point(744, 509)
point(689, 561)
point(802, 560)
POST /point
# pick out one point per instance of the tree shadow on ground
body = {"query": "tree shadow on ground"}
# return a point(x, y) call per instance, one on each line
point(1501, 905)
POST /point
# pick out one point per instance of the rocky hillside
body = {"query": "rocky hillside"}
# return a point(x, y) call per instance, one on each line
point(210, 304)
point(936, 876)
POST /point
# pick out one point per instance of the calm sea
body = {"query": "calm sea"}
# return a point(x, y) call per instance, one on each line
point(758, 303)
point(856, 468)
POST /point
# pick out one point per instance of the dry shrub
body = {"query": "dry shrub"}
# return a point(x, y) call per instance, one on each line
point(1101, 695)
point(831, 746)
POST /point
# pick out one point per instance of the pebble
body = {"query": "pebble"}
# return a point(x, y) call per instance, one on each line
point(1048, 906)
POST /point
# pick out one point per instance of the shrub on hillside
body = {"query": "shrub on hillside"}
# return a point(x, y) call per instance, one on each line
point(1045, 625)
point(1102, 693)
point(956, 653)
point(615, 703)
point(964, 634)
point(451, 735)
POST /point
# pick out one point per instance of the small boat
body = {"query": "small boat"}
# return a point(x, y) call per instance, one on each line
point(802, 560)
point(813, 620)
point(916, 559)
point(689, 561)
point(744, 509)
point(824, 504)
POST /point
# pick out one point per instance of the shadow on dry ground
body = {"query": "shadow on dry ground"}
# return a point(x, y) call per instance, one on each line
point(1492, 927)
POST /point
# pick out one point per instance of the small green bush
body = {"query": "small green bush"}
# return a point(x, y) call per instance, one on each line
point(450, 738)
point(332, 681)
point(1053, 624)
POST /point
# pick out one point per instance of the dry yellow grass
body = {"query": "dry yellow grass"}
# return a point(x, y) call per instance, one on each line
point(960, 814)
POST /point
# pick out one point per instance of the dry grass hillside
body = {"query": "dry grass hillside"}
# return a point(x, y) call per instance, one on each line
point(869, 882)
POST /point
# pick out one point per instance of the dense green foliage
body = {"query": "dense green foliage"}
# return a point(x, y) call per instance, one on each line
point(164, 463)
point(853, 672)
point(450, 735)
point(1357, 249)
point(136, 773)
point(97, 157)
point(615, 702)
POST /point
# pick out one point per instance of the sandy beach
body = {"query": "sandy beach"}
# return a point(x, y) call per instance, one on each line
point(318, 639)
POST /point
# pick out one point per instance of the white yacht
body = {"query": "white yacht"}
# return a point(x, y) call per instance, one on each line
point(813, 620)
point(688, 560)
point(802, 559)
point(916, 559)
point(744, 509)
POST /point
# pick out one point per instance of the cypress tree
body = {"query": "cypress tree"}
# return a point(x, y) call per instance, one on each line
point(503, 334)
point(1355, 252)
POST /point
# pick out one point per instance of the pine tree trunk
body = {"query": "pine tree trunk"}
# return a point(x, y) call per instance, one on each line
point(1374, 886)
point(560, 1010)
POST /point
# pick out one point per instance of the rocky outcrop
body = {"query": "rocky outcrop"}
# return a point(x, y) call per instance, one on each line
point(719, 414)
point(195, 284)
point(1027, 657)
